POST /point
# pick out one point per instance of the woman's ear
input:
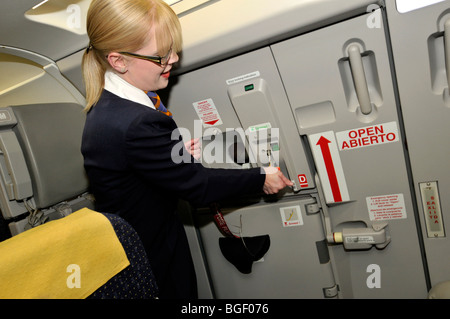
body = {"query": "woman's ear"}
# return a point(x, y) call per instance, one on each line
point(117, 62)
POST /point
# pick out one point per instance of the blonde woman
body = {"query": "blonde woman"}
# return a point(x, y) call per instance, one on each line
point(127, 142)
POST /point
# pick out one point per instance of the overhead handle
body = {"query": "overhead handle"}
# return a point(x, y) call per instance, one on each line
point(359, 79)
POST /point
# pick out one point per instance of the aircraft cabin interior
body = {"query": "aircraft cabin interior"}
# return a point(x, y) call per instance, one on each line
point(348, 98)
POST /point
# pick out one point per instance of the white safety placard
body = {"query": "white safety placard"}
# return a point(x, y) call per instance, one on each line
point(291, 216)
point(368, 136)
point(207, 112)
point(329, 166)
point(386, 207)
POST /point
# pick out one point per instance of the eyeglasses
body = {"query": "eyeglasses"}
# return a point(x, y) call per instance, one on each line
point(162, 61)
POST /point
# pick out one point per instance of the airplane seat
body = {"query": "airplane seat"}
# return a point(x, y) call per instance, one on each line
point(440, 291)
point(44, 190)
point(86, 254)
point(41, 164)
point(136, 281)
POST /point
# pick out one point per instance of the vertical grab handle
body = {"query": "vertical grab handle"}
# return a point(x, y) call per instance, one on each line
point(447, 50)
point(359, 78)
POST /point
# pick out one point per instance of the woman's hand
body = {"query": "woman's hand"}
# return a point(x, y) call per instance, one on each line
point(193, 147)
point(275, 180)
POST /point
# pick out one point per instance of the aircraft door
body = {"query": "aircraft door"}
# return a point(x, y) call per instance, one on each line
point(421, 50)
point(339, 84)
point(245, 95)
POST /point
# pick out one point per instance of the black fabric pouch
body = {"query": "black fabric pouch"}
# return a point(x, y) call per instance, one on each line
point(242, 252)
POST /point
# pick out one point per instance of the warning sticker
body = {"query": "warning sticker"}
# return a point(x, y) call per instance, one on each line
point(368, 136)
point(207, 112)
point(291, 216)
point(386, 207)
point(244, 77)
point(303, 180)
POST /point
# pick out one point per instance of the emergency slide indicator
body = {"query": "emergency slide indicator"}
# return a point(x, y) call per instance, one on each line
point(207, 112)
point(329, 166)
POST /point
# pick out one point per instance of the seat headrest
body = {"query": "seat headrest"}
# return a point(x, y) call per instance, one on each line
point(50, 136)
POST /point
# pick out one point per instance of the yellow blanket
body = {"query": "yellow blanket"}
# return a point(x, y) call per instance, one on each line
point(66, 258)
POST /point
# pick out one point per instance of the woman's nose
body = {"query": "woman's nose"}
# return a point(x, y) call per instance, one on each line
point(173, 58)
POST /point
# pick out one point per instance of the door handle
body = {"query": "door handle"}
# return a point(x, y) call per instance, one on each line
point(447, 50)
point(359, 78)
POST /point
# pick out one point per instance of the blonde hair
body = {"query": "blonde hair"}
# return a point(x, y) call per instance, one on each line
point(124, 25)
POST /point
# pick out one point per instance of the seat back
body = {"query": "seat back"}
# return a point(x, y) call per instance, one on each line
point(137, 280)
point(78, 256)
point(41, 165)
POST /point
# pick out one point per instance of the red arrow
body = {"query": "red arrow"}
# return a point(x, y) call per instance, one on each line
point(325, 148)
point(212, 122)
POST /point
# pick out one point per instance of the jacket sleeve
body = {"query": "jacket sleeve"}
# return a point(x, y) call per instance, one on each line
point(156, 152)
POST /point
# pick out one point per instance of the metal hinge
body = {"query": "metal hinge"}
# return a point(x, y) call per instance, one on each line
point(331, 292)
point(312, 208)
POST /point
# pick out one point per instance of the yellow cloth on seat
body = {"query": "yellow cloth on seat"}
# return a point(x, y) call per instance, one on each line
point(66, 258)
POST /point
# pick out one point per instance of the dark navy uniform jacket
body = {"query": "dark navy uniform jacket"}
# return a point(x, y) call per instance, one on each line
point(128, 149)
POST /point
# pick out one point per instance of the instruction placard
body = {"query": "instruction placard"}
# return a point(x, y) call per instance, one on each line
point(207, 112)
point(386, 207)
point(291, 216)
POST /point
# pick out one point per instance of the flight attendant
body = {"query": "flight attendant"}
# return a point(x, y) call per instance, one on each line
point(127, 144)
